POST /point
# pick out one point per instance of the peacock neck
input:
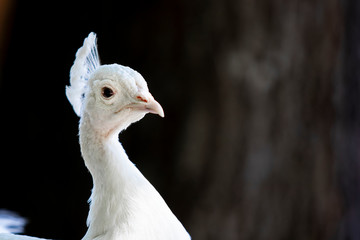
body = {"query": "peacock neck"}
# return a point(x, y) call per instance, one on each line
point(100, 151)
point(114, 178)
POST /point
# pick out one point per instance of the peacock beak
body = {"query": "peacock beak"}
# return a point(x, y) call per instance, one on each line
point(154, 107)
point(148, 104)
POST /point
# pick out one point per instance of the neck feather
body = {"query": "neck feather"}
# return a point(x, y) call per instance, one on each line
point(115, 178)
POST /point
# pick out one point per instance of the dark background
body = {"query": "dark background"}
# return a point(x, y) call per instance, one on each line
point(261, 135)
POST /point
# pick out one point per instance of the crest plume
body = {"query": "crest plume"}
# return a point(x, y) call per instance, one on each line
point(86, 62)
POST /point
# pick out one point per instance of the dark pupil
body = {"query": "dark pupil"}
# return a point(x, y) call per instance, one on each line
point(107, 92)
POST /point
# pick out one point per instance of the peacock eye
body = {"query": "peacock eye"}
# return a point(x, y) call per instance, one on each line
point(107, 92)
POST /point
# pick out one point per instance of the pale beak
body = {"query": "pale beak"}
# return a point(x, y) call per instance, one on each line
point(147, 104)
point(154, 107)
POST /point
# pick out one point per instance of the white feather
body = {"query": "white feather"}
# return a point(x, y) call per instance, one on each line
point(124, 204)
point(86, 62)
point(11, 222)
point(7, 236)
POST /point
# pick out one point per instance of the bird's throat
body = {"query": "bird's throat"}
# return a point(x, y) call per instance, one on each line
point(115, 178)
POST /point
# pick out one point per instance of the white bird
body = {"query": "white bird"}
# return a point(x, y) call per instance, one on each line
point(123, 203)
point(108, 98)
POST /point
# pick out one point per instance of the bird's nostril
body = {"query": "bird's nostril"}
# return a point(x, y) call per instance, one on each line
point(142, 99)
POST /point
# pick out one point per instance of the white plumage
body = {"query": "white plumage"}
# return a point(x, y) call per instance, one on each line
point(108, 98)
point(86, 62)
point(11, 222)
point(123, 204)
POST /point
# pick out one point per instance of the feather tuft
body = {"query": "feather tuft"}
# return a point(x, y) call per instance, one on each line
point(86, 62)
point(11, 222)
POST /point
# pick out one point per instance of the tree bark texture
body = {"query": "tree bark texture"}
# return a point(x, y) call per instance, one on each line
point(260, 146)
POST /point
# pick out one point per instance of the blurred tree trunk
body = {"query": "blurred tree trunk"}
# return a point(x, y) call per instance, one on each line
point(348, 123)
point(5, 20)
point(262, 163)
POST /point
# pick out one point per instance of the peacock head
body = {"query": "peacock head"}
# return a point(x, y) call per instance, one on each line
point(118, 96)
point(111, 96)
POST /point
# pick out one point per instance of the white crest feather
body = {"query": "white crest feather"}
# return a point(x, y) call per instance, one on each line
point(86, 62)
